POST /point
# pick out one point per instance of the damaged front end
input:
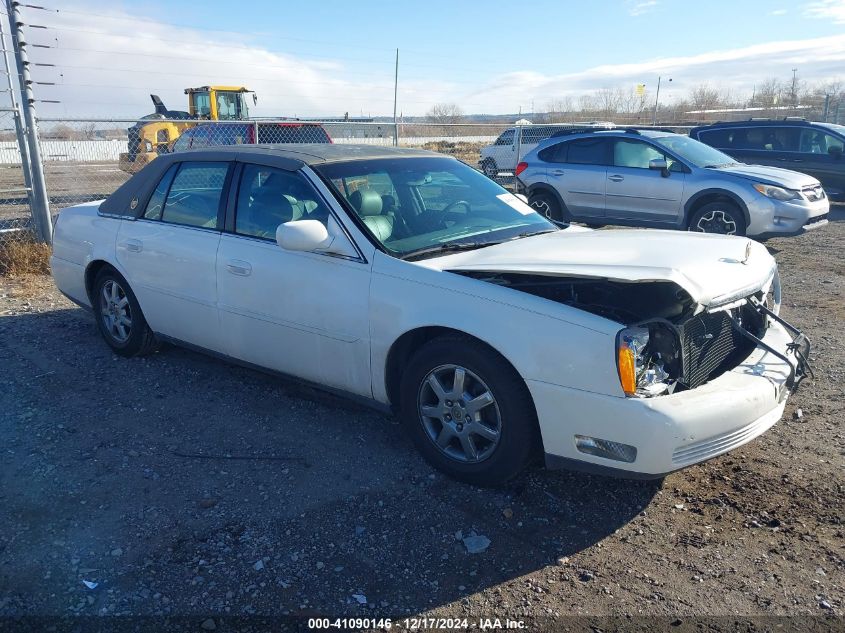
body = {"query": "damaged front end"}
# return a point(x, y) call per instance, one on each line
point(670, 343)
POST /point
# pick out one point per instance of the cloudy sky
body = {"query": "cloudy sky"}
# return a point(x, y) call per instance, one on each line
point(328, 57)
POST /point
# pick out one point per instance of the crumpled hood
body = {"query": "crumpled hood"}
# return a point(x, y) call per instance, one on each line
point(713, 269)
point(770, 175)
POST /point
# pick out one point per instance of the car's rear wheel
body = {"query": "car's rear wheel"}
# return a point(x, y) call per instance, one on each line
point(489, 168)
point(547, 205)
point(724, 218)
point(468, 411)
point(119, 316)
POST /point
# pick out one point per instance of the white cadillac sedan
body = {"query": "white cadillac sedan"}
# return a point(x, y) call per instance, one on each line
point(411, 280)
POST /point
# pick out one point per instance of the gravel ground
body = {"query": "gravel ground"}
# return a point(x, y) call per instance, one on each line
point(185, 486)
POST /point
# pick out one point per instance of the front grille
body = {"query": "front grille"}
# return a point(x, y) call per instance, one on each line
point(813, 193)
point(710, 346)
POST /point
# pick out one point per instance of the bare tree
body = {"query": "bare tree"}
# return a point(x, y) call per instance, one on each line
point(445, 113)
point(705, 97)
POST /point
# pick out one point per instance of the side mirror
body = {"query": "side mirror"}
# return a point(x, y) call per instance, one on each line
point(302, 235)
point(835, 151)
point(312, 235)
point(659, 164)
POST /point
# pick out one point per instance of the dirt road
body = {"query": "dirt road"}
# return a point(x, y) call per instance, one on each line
point(181, 485)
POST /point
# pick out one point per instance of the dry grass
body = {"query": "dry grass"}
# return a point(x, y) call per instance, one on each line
point(463, 151)
point(24, 257)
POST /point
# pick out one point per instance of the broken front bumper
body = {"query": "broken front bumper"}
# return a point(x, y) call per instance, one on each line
point(687, 427)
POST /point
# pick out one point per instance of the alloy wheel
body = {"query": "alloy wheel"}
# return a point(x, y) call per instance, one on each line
point(716, 221)
point(459, 413)
point(543, 208)
point(115, 311)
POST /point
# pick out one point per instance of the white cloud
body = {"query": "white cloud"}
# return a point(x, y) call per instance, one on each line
point(778, 12)
point(735, 70)
point(639, 8)
point(826, 9)
point(112, 71)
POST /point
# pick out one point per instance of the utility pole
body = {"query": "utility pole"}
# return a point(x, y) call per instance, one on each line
point(656, 99)
point(41, 203)
point(794, 90)
point(395, 95)
point(20, 131)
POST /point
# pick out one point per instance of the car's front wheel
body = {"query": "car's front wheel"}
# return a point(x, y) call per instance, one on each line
point(468, 411)
point(119, 316)
point(723, 218)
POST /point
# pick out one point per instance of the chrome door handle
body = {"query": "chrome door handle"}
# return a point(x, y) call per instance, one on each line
point(616, 178)
point(238, 267)
point(133, 246)
point(557, 172)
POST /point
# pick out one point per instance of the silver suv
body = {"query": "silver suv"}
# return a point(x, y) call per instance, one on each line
point(654, 178)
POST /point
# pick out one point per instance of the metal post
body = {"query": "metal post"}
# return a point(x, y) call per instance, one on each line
point(395, 94)
point(656, 99)
point(518, 133)
point(41, 207)
point(826, 108)
point(20, 132)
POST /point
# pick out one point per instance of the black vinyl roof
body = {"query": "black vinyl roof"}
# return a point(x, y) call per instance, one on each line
point(313, 153)
point(127, 200)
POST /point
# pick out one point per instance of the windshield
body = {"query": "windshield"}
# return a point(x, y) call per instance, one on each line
point(834, 127)
point(693, 151)
point(427, 204)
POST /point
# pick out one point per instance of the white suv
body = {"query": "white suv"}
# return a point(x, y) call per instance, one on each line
point(515, 142)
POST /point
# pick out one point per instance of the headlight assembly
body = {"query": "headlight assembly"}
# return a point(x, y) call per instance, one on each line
point(647, 360)
point(778, 193)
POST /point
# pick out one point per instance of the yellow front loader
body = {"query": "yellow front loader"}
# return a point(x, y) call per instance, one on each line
point(155, 133)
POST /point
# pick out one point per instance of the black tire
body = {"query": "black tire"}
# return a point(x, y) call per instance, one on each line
point(489, 168)
point(518, 435)
point(139, 339)
point(548, 206)
point(724, 218)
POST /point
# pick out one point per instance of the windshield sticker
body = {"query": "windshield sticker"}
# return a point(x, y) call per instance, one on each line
point(512, 201)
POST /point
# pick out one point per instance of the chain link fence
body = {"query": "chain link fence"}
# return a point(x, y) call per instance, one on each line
point(87, 159)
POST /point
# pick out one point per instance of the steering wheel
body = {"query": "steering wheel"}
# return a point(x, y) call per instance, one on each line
point(448, 210)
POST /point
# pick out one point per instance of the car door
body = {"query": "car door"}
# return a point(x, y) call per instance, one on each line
point(820, 156)
point(169, 253)
point(578, 170)
point(300, 313)
point(636, 192)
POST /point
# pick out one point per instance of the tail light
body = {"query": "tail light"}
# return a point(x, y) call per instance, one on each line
point(521, 167)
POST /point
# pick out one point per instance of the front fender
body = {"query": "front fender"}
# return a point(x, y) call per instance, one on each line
point(543, 340)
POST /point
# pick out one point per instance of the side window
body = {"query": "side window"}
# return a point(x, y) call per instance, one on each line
point(716, 138)
point(506, 138)
point(184, 141)
point(202, 104)
point(817, 142)
point(156, 202)
point(268, 197)
point(781, 139)
point(194, 196)
point(200, 137)
point(587, 151)
point(630, 153)
point(554, 153)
